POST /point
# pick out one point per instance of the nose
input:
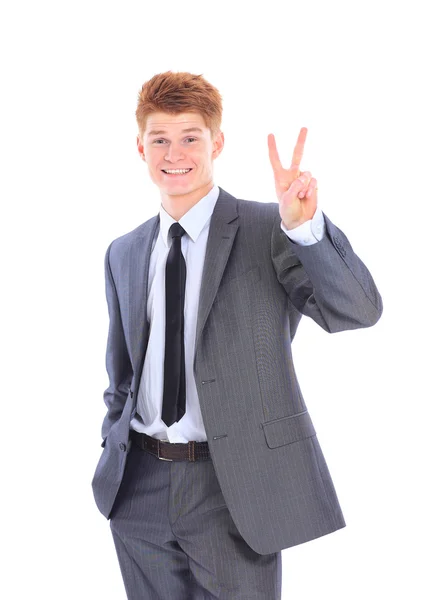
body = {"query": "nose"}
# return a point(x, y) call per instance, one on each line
point(174, 152)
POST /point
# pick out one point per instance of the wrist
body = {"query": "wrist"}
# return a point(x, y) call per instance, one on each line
point(294, 224)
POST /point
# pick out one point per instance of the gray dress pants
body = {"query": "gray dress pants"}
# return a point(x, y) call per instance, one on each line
point(175, 538)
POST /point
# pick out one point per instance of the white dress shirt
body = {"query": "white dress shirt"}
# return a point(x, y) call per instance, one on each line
point(196, 223)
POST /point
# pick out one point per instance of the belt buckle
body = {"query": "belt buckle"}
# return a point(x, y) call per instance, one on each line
point(158, 451)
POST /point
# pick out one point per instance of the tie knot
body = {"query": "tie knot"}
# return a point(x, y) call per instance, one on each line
point(176, 230)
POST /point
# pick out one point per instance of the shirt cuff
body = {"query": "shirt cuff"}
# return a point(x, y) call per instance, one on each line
point(310, 232)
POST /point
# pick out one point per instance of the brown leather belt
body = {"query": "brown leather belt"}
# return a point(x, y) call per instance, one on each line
point(168, 451)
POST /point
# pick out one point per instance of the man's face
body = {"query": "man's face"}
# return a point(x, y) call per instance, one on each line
point(167, 145)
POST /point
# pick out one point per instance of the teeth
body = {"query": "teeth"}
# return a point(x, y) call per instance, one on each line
point(181, 171)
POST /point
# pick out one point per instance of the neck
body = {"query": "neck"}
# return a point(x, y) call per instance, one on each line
point(178, 205)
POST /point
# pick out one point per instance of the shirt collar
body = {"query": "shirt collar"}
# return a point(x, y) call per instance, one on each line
point(194, 220)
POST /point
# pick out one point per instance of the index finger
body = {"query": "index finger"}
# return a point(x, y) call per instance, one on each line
point(299, 147)
point(273, 154)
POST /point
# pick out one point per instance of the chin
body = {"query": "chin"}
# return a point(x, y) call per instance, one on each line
point(179, 190)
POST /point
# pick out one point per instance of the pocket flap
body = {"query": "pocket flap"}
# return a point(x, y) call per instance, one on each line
point(288, 429)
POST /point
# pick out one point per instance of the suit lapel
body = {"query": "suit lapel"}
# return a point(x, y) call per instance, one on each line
point(137, 262)
point(222, 232)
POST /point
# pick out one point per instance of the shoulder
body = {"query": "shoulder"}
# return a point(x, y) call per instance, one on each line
point(264, 211)
point(126, 240)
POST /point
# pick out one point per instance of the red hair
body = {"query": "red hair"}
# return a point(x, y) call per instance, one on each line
point(176, 93)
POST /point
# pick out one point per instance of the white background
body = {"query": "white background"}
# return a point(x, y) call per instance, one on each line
point(365, 79)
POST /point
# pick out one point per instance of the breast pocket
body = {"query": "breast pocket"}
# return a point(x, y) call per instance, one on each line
point(288, 430)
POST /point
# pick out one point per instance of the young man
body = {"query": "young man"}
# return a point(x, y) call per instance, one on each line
point(211, 463)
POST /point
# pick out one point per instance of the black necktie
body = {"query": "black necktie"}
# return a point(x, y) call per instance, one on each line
point(174, 386)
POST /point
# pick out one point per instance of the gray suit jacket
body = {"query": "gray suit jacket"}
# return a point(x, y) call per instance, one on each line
point(256, 285)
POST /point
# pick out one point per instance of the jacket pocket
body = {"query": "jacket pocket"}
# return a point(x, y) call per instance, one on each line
point(287, 430)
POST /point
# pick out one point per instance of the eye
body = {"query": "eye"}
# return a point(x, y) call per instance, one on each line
point(161, 140)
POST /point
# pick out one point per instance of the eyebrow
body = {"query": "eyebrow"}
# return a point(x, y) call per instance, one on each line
point(161, 131)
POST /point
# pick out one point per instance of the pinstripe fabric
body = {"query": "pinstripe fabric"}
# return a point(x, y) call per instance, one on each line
point(175, 538)
point(256, 285)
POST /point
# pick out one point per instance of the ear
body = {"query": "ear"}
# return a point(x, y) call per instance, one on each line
point(140, 148)
point(218, 144)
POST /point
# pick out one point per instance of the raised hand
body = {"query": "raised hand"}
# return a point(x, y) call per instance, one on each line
point(296, 191)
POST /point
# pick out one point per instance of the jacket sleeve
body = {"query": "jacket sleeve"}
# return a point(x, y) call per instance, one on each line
point(326, 281)
point(118, 363)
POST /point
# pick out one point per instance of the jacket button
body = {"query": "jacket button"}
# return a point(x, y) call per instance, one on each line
point(132, 393)
point(122, 446)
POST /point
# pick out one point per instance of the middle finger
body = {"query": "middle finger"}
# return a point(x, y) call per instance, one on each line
point(298, 150)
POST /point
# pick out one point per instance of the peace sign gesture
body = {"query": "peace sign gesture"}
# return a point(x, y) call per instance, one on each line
point(296, 191)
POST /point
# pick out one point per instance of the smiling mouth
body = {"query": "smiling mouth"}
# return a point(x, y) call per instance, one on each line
point(176, 174)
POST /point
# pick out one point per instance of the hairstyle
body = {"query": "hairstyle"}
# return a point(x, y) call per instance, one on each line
point(179, 92)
